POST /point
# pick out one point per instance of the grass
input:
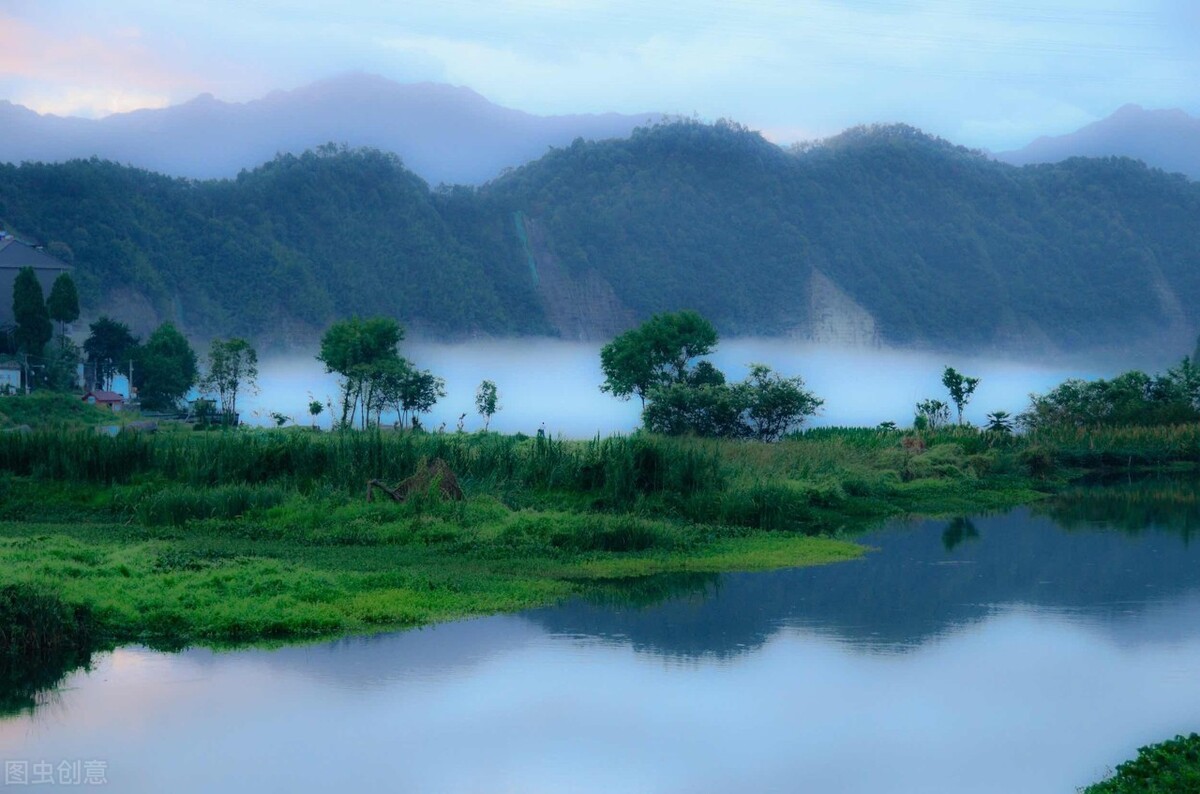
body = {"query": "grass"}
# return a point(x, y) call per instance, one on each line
point(49, 410)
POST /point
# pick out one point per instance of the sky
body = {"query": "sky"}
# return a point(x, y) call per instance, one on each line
point(984, 73)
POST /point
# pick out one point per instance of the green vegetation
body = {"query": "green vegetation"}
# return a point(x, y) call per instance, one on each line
point(45, 410)
point(682, 396)
point(165, 369)
point(1170, 767)
point(1133, 399)
point(232, 369)
point(242, 535)
point(941, 245)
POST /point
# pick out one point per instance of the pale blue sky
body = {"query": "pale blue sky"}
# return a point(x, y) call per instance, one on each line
point(984, 73)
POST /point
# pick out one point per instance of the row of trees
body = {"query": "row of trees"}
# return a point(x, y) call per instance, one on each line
point(660, 362)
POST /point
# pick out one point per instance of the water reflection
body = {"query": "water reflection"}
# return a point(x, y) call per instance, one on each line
point(927, 578)
point(1153, 504)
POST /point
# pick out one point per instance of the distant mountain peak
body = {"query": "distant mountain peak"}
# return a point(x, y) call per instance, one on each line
point(1167, 138)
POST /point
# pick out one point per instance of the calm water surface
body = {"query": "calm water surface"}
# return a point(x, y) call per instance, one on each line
point(1026, 652)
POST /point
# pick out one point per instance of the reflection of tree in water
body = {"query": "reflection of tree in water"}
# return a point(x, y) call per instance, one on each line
point(958, 530)
point(1169, 504)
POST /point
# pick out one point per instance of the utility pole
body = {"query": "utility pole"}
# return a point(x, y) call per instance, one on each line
point(130, 379)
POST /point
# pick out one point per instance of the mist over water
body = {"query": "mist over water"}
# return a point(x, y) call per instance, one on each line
point(557, 384)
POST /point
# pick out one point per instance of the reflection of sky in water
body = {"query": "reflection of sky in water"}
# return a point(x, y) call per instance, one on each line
point(557, 383)
point(1034, 661)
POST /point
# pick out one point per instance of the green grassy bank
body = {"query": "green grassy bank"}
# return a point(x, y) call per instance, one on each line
point(243, 536)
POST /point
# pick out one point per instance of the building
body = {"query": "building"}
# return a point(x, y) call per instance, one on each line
point(10, 377)
point(15, 255)
point(105, 399)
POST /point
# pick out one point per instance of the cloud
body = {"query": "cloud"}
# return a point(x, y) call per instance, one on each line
point(87, 74)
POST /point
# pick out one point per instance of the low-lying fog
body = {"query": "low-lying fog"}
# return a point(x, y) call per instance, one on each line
point(556, 383)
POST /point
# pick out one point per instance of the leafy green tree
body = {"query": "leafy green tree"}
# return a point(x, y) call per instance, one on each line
point(232, 369)
point(961, 388)
point(315, 407)
point(711, 411)
point(362, 352)
point(108, 348)
point(420, 390)
point(656, 353)
point(487, 401)
point(164, 368)
point(61, 363)
point(776, 404)
point(29, 310)
point(931, 414)
point(63, 303)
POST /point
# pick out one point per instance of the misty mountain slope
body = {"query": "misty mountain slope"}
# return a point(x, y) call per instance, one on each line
point(878, 235)
point(1166, 139)
point(275, 254)
point(940, 246)
point(443, 133)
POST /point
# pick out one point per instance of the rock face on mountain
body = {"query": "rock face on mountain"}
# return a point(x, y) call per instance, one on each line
point(443, 133)
point(1166, 139)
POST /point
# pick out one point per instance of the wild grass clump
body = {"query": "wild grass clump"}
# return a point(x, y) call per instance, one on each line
point(35, 623)
point(175, 505)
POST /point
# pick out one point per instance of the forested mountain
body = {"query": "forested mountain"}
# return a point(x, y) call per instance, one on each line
point(1166, 139)
point(877, 235)
point(444, 133)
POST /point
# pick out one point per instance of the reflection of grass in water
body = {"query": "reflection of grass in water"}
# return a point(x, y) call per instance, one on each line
point(42, 639)
point(648, 591)
point(1133, 507)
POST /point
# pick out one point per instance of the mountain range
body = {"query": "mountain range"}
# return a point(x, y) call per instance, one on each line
point(881, 235)
point(444, 133)
point(448, 134)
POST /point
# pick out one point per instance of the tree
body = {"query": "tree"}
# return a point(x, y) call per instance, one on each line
point(107, 349)
point(363, 352)
point(63, 303)
point(164, 368)
point(961, 389)
point(999, 422)
point(711, 411)
point(487, 401)
point(29, 310)
point(656, 353)
point(232, 367)
point(775, 404)
point(419, 392)
point(314, 410)
point(931, 414)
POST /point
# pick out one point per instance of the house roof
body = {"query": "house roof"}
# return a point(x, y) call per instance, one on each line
point(16, 254)
point(103, 396)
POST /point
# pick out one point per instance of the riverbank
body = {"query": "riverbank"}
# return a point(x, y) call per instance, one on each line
point(249, 536)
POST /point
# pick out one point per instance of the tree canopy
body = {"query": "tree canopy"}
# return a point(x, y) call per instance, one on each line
point(164, 368)
point(29, 310)
point(108, 349)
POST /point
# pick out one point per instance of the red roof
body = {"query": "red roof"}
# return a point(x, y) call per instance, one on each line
point(102, 396)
